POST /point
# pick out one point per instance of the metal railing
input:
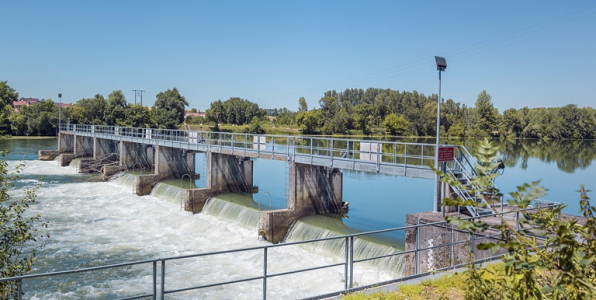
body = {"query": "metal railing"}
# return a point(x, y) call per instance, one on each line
point(159, 288)
point(355, 154)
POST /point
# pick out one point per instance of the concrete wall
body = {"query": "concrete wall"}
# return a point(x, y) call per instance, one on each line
point(441, 234)
point(103, 148)
point(135, 156)
point(83, 146)
point(313, 190)
point(66, 143)
point(173, 162)
point(225, 173)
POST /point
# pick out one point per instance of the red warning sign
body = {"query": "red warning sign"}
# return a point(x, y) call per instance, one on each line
point(445, 153)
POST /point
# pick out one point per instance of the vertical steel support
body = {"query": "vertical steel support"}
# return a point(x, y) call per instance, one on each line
point(155, 280)
point(20, 289)
point(351, 261)
point(417, 253)
point(347, 262)
point(379, 145)
point(264, 273)
point(452, 246)
point(472, 247)
point(331, 148)
point(163, 279)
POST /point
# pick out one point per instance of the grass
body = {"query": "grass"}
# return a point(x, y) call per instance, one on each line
point(448, 287)
point(23, 137)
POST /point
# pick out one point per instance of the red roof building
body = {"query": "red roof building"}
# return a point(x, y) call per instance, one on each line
point(24, 102)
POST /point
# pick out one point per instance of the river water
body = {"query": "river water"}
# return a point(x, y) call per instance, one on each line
point(95, 223)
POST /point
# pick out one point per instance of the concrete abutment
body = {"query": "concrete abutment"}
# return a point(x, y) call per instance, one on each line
point(225, 174)
point(313, 190)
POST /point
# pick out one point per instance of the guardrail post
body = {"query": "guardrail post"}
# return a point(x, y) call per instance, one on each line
point(264, 273)
point(331, 148)
point(347, 263)
point(472, 239)
point(452, 248)
point(351, 261)
point(155, 280)
point(417, 252)
point(20, 289)
point(163, 279)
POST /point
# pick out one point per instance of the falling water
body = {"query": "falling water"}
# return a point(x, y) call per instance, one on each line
point(318, 227)
point(239, 209)
point(101, 223)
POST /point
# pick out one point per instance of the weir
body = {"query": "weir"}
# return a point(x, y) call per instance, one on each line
point(315, 181)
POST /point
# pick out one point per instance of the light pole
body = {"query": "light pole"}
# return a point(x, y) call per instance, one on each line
point(441, 66)
point(59, 112)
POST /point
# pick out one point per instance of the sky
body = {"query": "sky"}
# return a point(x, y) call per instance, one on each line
point(523, 53)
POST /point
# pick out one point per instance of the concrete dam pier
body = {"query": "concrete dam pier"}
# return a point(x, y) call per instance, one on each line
point(312, 189)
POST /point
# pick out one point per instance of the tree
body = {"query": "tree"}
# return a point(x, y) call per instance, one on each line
point(397, 125)
point(17, 228)
point(137, 115)
point(308, 121)
point(254, 127)
point(302, 106)
point(89, 111)
point(361, 116)
point(115, 109)
point(8, 95)
point(169, 109)
point(486, 113)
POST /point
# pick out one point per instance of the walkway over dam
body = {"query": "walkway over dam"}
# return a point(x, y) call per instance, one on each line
point(315, 163)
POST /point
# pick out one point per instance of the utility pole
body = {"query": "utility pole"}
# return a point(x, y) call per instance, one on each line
point(140, 92)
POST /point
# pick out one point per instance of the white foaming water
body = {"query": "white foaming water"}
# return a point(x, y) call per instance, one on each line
point(101, 223)
point(168, 192)
point(364, 247)
point(238, 212)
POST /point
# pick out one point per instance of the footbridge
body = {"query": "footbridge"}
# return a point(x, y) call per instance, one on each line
point(315, 163)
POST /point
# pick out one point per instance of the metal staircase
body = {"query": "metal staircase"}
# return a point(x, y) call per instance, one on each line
point(463, 168)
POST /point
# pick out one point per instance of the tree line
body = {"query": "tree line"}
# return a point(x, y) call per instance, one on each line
point(353, 111)
point(41, 119)
point(414, 114)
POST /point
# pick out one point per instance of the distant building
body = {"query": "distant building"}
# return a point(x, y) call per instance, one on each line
point(194, 114)
point(24, 102)
point(30, 101)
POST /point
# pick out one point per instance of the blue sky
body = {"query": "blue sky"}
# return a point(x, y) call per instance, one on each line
point(524, 53)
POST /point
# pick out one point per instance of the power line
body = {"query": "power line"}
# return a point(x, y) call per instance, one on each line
point(504, 40)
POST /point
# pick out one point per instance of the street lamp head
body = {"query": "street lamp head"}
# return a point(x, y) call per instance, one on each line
point(59, 95)
point(441, 63)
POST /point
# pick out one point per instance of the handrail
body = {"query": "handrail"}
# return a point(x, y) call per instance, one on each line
point(349, 262)
point(303, 149)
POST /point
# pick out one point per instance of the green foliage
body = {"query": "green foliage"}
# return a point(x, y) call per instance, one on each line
point(8, 95)
point(168, 109)
point(137, 115)
point(302, 106)
point(18, 229)
point(254, 127)
point(235, 111)
point(486, 113)
point(397, 125)
point(308, 121)
point(115, 109)
point(39, 119)
point(548, 258)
